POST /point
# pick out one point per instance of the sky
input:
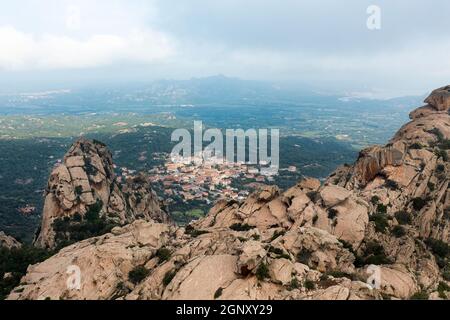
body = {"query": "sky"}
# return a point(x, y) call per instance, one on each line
point(323, 44)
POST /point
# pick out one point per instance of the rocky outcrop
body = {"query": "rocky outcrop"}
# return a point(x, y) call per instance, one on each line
point(8, 241)
point(440, 99)
point(86, 180)
point(378, 229)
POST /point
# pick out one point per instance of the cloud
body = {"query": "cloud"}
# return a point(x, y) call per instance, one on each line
point(27, 51)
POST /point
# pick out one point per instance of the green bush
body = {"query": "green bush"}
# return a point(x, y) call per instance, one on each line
point(294, 284)
point(416, 145)
point(403, 217)
point(443, 287)
point(332, 213)
point(391, 184)
point(70, 230)
point(256, 237)
point(262, 272)
point(309, 285)
point(168, 277)
point(445, 144)
point(340, 274)
point(16, 261)
point(446, 273)
point(381, 222)
point(138, 274)
point(277, 234)
point(439, 248)
point(421, 295)
point(442, 154)
point(399, 231)
point(313, 196)
point(304, 255)
point(163, 254)
point(241, 227)
point(78, 190)
point(193, 232)
point(218, 293)
point(419, 203)
point(373, 254)
point(381, 208)
point(375, 200)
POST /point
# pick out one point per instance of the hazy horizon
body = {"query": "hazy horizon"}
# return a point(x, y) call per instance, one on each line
point(322, 45)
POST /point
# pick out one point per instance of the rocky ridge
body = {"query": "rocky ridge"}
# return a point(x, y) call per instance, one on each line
point(378, 229)
point(85, 183)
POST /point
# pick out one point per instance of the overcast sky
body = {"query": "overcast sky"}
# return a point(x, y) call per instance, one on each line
point(322, 43)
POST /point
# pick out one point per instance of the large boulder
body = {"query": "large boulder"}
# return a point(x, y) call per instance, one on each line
point(440, 99)
point(8, 241)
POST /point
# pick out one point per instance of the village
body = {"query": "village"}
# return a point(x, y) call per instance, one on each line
point(206, 181)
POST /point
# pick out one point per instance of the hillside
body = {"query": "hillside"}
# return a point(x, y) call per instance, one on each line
point(377, 229)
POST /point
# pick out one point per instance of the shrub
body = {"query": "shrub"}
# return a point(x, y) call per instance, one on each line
point(381, 222)
point(438, 134)
point(315, 218)
point(373, 254)
point(309, 285)
point(421, 295)
point(277, 234)
point(78, 190)
point(391, 184)
point(193, 232)
point(294, 284)
point(332, 213)
point(347, 246)
point(375, 200)
point(415, 145)
point(138, 274)
point(93, 212)
point(381, 208)
point(445, 144)
point(218, 293)
point(168, 277)
point(16, 261)
point(442, 154)
point(241, 227)
point(163, 254)
point(431, 186)
point(68, 231)
point(440, 168)
point(446, 274)
point(443, 286)
point(446, 213)
point(403, 217)
point(398, 231)
point(256, 237)
point(304, 255)
point(419, 203)
point(275, 250)
point(438, 247)
point(313, 196)
point(340, 274)
point(262, 272)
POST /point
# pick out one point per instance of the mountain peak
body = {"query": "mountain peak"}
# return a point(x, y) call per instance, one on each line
point(84, 186)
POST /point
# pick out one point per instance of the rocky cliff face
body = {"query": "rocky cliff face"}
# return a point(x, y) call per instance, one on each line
point(383, 221)
point(85, 184)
